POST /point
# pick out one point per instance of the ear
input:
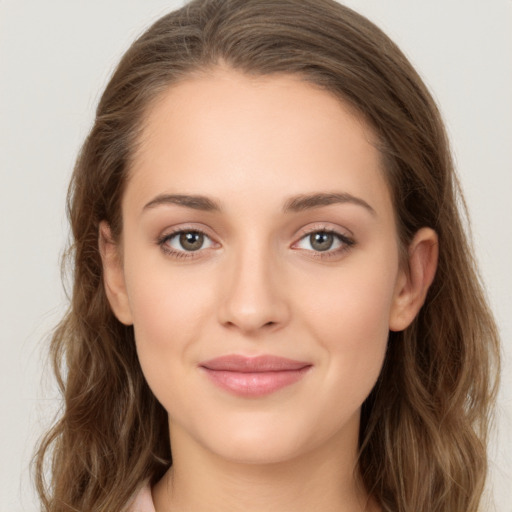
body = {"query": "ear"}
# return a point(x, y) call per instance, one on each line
point(413, 282)
point(113, 275)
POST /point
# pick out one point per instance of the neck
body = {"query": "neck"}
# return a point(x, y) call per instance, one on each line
point(323, 479)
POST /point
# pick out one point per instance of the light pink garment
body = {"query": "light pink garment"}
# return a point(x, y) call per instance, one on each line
point(143, 502)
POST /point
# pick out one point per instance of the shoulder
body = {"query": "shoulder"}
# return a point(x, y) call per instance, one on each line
point(143, 501)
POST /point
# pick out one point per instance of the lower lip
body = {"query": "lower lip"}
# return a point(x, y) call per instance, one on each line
point(255, 384)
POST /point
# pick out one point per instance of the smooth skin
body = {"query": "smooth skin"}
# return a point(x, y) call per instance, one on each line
point(247, 266)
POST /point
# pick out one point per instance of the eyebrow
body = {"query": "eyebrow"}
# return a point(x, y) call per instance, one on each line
point(196, 202)
point(309, 201)
point(294, 204)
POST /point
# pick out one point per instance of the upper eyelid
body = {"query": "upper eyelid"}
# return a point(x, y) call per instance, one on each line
point(171, 231)
point(319, 227)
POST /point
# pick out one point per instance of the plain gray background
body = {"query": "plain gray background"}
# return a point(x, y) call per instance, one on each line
point(55, 58)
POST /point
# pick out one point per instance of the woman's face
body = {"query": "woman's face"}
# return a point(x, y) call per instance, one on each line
point(260, 265)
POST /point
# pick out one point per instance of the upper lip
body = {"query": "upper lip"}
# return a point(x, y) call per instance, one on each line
point(255, 364)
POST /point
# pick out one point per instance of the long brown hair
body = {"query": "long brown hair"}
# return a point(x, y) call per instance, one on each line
point(424, 426)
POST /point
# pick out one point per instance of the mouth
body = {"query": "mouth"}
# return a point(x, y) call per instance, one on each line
point(254, 376)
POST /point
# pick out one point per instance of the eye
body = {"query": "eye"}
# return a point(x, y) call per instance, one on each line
point(324, 241)
point(320, 241)
point(185, 241)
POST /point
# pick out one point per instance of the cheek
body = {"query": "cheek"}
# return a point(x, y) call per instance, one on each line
point(352, 303)
point(170, 311)
point(163, 305)
point(350, 320)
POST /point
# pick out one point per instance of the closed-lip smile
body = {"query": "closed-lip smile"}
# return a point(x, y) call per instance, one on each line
point(254, 376)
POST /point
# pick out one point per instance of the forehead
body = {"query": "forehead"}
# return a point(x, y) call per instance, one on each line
point(230, 135)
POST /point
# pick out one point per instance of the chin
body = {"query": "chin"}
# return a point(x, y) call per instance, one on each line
point(248, 437)
point(269, 439)
point(258, 451)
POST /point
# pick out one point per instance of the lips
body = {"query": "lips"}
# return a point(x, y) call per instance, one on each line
point(254, 376)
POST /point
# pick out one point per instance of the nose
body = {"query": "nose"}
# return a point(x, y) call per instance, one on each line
point(253, 297)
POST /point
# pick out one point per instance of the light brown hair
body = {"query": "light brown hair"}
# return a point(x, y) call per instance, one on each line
point(424, 426)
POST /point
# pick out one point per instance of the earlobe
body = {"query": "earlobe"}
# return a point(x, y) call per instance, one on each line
point(413, 283)
point(113, 275)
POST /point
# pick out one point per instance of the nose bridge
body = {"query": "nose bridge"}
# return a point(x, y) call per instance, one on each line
point(253, 295)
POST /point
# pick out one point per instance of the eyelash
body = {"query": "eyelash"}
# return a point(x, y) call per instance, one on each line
point(347, 243)
point(163, 240)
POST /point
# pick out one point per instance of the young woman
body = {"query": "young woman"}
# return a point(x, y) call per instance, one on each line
point(275, 306)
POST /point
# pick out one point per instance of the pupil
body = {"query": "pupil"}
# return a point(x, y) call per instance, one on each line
point(191, 241)
point(321, 241)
